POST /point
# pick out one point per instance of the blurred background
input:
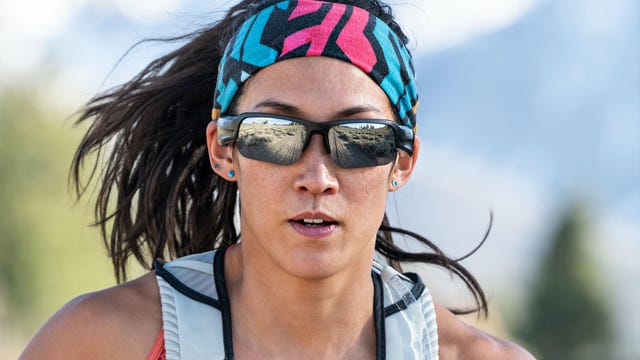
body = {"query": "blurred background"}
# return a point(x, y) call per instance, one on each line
point(530, 109)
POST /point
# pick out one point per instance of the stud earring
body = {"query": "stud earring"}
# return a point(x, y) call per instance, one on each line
point(217, 166)
point(231, 173)
point(394, 183)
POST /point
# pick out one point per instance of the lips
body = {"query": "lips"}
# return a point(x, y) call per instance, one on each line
point(314, 225)
point(314, 219)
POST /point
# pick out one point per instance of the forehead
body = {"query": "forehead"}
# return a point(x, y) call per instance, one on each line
point(314, 84)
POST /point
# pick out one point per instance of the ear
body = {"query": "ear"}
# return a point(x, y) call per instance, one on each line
point(403, 167)
point(220, 157)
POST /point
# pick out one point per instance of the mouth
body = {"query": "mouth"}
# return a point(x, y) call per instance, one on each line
point(314, 225)
point(314, 222)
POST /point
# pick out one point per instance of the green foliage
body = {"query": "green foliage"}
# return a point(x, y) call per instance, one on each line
point(17, 164)
point(567, 317)
point(48, 254)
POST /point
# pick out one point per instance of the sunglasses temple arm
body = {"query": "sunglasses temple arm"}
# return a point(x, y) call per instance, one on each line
point(227, 129)
point(406, 139)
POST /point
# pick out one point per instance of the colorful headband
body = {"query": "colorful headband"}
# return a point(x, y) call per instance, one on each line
point(291, 29)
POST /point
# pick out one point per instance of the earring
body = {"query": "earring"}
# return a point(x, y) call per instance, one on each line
point(231, 173)
point(216, 166)
point(394, 183)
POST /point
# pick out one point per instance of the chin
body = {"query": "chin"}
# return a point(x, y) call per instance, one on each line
point(316, 265)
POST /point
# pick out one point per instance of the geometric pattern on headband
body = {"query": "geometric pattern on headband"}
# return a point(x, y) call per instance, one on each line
point(290, 29)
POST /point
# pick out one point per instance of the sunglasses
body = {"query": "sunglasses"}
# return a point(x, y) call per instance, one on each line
point(281, 139)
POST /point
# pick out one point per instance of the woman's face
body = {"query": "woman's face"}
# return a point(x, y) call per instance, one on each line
point(343, 207)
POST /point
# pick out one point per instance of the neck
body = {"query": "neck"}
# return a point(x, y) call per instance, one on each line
point(283, 316)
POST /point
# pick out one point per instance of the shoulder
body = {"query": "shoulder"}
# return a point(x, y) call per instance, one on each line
point(115, 323)
point(458, 340)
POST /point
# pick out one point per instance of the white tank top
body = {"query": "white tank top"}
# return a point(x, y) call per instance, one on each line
point(197, 318)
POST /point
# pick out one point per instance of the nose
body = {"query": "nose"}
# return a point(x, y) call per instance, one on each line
point(316, 169)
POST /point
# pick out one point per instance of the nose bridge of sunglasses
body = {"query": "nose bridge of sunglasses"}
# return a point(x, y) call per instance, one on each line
point(324, 140)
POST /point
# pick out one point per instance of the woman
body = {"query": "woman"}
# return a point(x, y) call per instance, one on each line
point(312, 126)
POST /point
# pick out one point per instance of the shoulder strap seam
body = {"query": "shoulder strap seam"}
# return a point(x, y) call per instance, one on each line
point(416, 290)
point(379, 316)
point(182, 288)
point(225, 306)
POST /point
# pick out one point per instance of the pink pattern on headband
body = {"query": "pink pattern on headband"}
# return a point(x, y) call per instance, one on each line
point(353, 42)
point(305, 7)
point(316, 35)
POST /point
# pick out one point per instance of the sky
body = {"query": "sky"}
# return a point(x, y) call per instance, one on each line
point(24, 34)
point(76, 43)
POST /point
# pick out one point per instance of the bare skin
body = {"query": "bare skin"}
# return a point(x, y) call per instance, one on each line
point(293, 296)
point(121, 322)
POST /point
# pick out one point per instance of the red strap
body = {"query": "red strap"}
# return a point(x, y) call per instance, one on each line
point(158, 351)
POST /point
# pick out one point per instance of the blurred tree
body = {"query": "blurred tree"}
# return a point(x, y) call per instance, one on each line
point(16, 161)
point(47, 253)
point(567, 317)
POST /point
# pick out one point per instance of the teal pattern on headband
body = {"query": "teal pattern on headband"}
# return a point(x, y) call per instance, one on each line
point(290, 29)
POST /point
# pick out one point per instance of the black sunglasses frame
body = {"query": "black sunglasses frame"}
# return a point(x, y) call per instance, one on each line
point(228, 127)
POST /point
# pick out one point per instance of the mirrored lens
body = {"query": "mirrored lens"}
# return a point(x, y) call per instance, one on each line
point(272, 140)
point(356, 145)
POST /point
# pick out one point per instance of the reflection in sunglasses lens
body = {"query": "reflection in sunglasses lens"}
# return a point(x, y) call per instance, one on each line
point(362, 145)
point(272, 140)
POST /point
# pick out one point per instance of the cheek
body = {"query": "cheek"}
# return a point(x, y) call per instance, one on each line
point(368, 191)
point(254, 178)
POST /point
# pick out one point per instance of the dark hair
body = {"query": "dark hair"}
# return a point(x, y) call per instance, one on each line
point(158, 197)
